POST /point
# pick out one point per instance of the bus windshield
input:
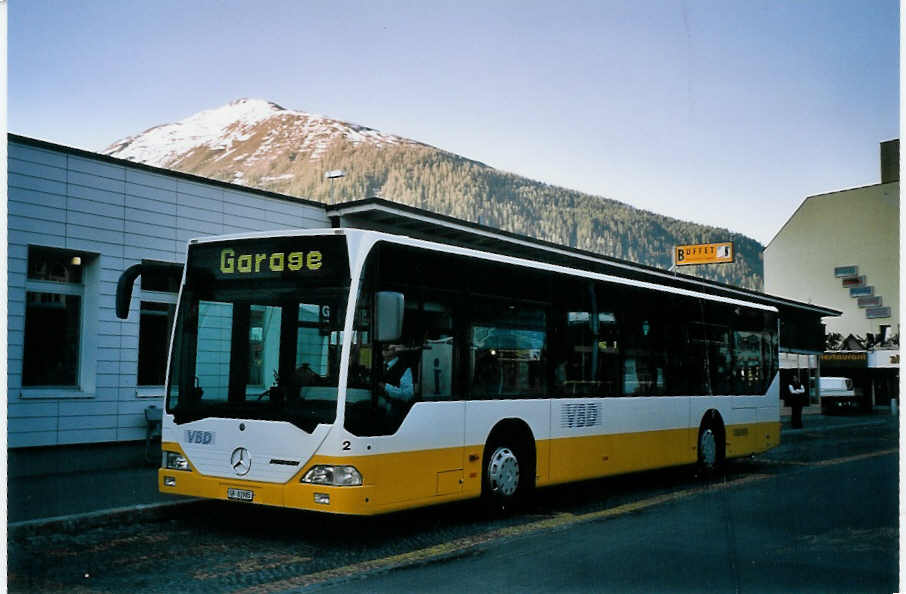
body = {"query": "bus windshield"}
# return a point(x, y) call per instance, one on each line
point(260, 342)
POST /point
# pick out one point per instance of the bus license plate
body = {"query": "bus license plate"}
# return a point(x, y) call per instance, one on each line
point(240, 494)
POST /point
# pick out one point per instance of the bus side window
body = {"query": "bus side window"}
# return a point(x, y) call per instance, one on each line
point(507, 350)
point(570, 339)
point(718, 318)
point(747, 373)
point(611, 304)
point(608, 345)
point(644, 353)
point(578, 370)
point(753, 354)
point(584, 340)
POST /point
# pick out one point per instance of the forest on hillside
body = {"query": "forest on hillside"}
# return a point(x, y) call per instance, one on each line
point(441, 182)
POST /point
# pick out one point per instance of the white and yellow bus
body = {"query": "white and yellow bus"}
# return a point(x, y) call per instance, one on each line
point(357, 372)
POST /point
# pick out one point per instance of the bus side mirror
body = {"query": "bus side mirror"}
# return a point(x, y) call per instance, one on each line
point(127, 280)
point(388, 319)
point(124, 290)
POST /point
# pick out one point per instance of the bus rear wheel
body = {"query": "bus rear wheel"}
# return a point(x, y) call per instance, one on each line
point(710, 450)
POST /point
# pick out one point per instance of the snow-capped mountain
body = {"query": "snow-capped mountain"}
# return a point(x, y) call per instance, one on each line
point(259, 144)
point(244, 133)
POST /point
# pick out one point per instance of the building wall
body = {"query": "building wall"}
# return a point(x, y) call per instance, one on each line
point(118, 214)
point(858, 227)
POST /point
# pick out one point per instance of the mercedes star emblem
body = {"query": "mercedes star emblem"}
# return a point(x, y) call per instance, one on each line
point(241, 461)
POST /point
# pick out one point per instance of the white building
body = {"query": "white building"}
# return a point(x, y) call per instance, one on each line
point(841, 249)
point(76, 221)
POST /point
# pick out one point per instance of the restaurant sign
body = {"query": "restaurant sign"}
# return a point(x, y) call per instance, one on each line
point(847, 359)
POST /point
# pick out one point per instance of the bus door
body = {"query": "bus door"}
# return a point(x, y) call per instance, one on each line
point(408, 403)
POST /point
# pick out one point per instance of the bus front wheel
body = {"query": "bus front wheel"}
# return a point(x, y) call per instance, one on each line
point(505, 474)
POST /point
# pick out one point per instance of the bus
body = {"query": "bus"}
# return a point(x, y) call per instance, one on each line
point(358, 372)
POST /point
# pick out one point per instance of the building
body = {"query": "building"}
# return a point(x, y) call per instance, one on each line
point(78, 375)
point(841, 249)
point(76, 221)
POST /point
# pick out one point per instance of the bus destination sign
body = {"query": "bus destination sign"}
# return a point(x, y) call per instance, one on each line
point(703, 253)
point(272, 258)
point(257, 262)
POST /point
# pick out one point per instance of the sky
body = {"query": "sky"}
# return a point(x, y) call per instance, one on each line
point(726, 112)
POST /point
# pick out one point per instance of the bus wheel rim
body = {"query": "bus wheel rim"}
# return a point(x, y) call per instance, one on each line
point(708, 448)
point(503, 472)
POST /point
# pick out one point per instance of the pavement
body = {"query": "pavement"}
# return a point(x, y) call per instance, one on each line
point(66, 500)
point(93, 495)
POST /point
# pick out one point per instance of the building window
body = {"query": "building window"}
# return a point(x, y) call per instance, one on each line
point(53, 317)
point(159, 286)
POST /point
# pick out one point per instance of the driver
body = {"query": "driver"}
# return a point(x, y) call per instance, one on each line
point(397, 383)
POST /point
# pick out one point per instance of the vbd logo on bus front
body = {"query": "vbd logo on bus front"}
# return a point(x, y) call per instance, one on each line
point(200, 437)
point(584, 414)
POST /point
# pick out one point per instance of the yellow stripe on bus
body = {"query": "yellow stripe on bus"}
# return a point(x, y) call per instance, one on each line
point(426, 477)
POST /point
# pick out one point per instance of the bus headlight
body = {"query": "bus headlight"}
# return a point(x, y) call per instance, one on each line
point(338, 476)
point(174, 461)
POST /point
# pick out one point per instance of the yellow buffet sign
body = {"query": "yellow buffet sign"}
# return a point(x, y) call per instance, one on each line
point(703, 253)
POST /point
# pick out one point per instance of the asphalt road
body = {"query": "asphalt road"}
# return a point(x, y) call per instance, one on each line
point(810, 531)
point(817, 514)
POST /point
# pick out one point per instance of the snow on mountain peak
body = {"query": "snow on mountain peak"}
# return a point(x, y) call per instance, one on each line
point(248, 111)
point(159, 146)
point(225, 129)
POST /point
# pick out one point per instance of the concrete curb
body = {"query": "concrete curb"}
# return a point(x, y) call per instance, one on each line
point(96, 519)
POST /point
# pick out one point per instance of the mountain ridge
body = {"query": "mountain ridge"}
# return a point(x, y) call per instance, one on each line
point(260, 144)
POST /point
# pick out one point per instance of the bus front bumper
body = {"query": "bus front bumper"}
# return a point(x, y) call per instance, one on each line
point(356, 500)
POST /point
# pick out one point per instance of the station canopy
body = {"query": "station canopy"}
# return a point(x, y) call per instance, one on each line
point(801, 329)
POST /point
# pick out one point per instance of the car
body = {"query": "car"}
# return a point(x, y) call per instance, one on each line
point(837, 393)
